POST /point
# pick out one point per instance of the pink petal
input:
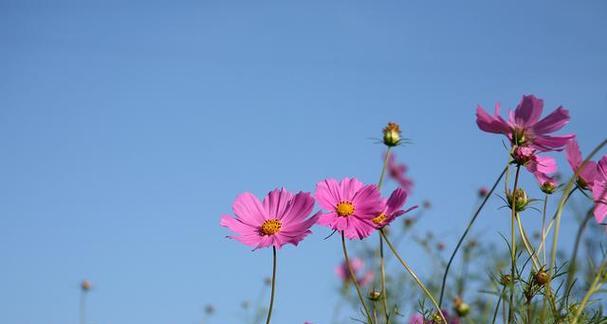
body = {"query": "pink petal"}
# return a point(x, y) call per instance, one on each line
point(573, 153)
point(328, 193)
point(528, 111)
point(249, 210)
point(602, 168)
point(491, 124)
point(276, 202)
point(553, 122)
point(299, 208)
point(546, 142)
point(599, 193)
point(396, 200)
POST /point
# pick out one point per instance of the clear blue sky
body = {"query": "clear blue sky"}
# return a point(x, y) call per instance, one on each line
point(126, 130)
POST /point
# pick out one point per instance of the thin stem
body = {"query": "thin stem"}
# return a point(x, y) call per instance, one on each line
point(273, 285)
point(415, 277)
point(354, 279)
point(544, 227)
point(497, 306)
point(572, 262)
point(527, 244)
point(513, 243)
point(382, 266)
point(461, 239)
point(82, 306)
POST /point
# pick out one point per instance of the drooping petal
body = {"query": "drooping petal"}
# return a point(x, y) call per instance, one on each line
point(396, 200)
point(545, 164)
point(573, 153)
point(528, 111)
point(546, 142)
point(491, 124)
point(249, 210)
point(599, 193)
point(553, 122)
point(602, 168)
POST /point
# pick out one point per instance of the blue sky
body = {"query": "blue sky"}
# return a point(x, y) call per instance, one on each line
point(127, 129)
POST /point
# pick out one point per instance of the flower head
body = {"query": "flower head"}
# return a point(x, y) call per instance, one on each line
point(547, 184)
point(588, 172)
point(85, 285)
point(397, 172)
point(392, 208)
point(357, 265)
point(524, 127)
point(350, 206)
point(278, 220)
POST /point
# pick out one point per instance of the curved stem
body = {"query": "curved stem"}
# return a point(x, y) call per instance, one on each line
point(564, 197)
point(273, 285)
point(461, 239)
point(354, 279)
point(415, 277)
point(594, 287)
point(532, 254)
point(513, 243)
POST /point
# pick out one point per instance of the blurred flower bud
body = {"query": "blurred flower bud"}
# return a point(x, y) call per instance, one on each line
point(549, 186)
point(440, 246)
point(85, 285)
point(392, 134)
point(374, 295)
point(483, 192)
point(522, 154)
point(541, 277)
point(209, 309)
point(505, 279)
point(426, 204)
point(462, 309)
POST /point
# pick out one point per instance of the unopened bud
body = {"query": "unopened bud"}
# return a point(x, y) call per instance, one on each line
point(85, 285)
point(505, 279)
point(519, 197)
point(462, 309)
point(374, 295)
point(392, 134)
point(483, 192)
point(548, 187)
point(541, 277)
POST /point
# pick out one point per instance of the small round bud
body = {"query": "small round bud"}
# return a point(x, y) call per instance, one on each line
point(437, 319)
point(462, 309)
point(408, 222)
point(548, 187)
point(209, 309)
point(541, 277)
point(85, 285)
point(267, 281)
point(374, 295)
point(426, 204)
point(483, 192)
point(392, 134)
point(440, 246)
point(518, 199)
point(523, 154)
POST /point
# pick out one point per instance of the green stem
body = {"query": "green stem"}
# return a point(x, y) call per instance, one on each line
point(354, 279)
point(273, 285)
point(598, 281)
point(561, 205)
point(415, 277)
point(461, 239)
point(82, 306)
point(497, 306)
point(382, 266)
point(572, 262)
point(532, 254)
point(513, 244)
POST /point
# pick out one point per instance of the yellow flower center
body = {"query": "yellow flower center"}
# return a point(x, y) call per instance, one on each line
point(270, 227)
point(380, 219)
point(344, 209)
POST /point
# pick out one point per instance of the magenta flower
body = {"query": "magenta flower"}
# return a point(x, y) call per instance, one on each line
point(588, 173)
point(599, 191)
point(528, 157)
point(418, 318)
point(350, 206)
point(397, 171)
point(357, 265)
point(524, 126)
point(392, 208)
point(278, 220)
point(547, 184)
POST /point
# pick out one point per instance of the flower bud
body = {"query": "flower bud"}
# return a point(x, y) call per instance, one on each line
point(522, 154)
point(85, 285)
point(462, 309)
point(392, 134)
point(518, 199)
point(548, 187)
point(374, 295)
point(483, 192)
point(541, 277)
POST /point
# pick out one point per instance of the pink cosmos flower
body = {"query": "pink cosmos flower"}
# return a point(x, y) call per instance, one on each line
point(547, 184)
point(357, 265)
point(397, 171)
point(528, 157)
point(350, 206)
point(278, 220)
point(588, 173)
point(392, 208)
point(524, 126)
point(599, 191)
point(419, 319)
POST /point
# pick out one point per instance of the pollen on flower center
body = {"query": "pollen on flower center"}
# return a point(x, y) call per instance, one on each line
point(344, 209)
point(381, 218)
point(519, 136)
point(270, 227)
